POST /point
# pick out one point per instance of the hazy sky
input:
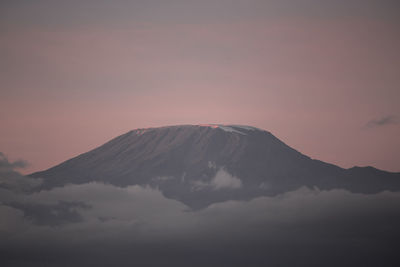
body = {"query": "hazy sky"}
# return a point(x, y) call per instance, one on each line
point(323, 76)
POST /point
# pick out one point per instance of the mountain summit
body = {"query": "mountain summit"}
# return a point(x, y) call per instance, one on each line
point(203, 164)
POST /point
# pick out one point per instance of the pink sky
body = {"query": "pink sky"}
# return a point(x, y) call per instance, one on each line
point(328, 86)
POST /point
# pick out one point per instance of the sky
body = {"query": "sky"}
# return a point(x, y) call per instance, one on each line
point(322, 76)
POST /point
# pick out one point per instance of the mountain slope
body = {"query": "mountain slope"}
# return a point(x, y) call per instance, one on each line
point(203, 164)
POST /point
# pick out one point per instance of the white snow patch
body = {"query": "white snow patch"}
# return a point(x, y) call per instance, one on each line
point(140, 131)
point(230, 129)
point(245, 127)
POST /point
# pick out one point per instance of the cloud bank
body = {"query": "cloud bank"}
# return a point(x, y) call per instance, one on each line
point(107, 217)
point(101, 224)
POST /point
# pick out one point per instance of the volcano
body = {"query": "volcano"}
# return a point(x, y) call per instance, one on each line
point(203, 164)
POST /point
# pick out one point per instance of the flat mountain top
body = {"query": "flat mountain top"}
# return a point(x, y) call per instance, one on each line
point(207, 163)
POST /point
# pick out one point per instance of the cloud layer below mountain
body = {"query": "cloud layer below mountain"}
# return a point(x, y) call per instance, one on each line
point(101, 224)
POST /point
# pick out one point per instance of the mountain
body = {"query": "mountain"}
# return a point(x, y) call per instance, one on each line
point(203, 164)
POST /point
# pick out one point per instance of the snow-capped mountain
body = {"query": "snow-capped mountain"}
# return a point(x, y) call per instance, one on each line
point(203, 164)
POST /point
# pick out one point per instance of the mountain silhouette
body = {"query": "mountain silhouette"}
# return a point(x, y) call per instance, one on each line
point(204, 164)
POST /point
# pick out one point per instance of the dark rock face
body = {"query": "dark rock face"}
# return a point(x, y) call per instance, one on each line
point(203, 164)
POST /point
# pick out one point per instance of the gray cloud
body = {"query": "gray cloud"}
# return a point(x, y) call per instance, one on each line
point(63, 212)
point(11, 179)
point(6, 165)
point(103, 225)
point(143, 220)
point(386, 120)
point(144, 212)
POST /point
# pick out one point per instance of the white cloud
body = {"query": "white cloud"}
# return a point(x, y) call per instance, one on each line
point(223, 180)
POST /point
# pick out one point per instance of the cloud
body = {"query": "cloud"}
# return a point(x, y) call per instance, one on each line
point(98, 210)
point(101, 224)
point(142, 221)
point(6, 165)
point(222, 180)
point(63, 212)
point(386, 120)
point(11, 179)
